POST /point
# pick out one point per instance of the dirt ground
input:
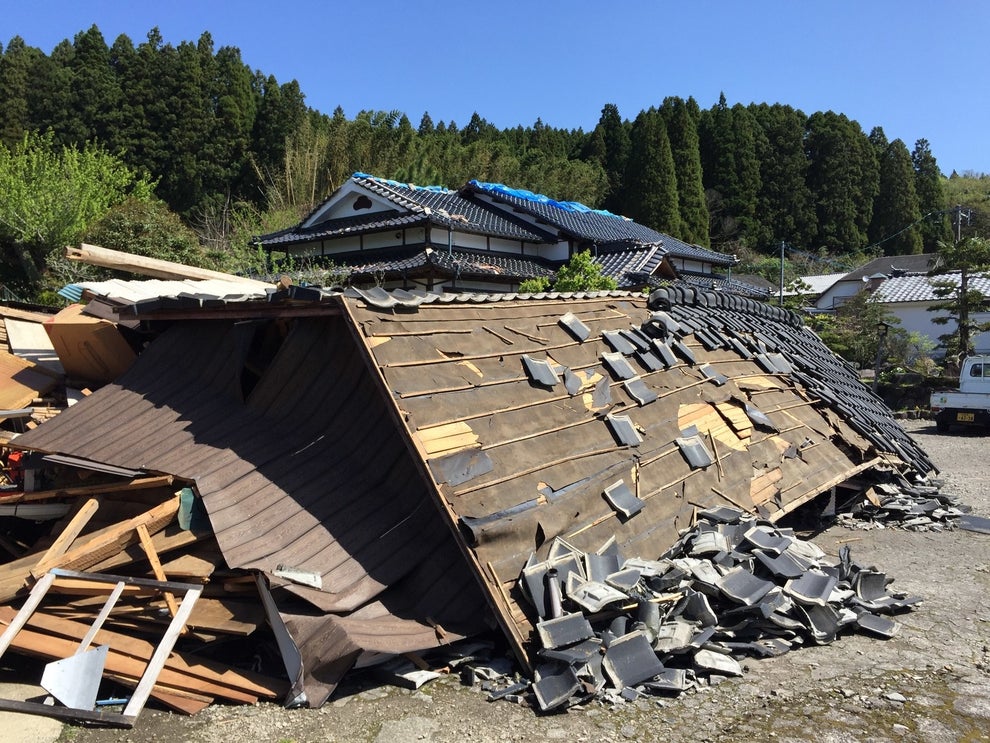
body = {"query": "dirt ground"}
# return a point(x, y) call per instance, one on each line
point(929, 683)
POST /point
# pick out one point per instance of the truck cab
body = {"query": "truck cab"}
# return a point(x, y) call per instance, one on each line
point(970, 404)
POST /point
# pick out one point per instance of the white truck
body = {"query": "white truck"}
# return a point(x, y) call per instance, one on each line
point(970, 404)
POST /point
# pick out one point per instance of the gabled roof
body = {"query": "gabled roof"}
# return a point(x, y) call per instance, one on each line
point(414, 205)
point(890, 265)
point(454, 263)
point(919, 288)
point(734, 285)
point(549, 219)
point(681, 249)
point(625, 265)
point(572, 219)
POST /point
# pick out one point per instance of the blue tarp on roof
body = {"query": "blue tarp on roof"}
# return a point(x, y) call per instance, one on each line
point(410, 186)
point(522, 193)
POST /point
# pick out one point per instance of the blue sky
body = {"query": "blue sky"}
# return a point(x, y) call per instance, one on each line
point(916, 68)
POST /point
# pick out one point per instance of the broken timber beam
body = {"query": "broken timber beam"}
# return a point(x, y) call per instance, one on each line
point(110, 542)
point(159, 269)
point(140, 483)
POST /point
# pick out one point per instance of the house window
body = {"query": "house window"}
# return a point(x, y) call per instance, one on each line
point(361, 202)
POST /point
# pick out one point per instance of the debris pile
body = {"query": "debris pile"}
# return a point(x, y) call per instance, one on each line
point(733, 586)
point(127, 584)
point(222, 499)
point(918, 507)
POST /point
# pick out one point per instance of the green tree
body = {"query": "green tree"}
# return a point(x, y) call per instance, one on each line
point(843, 178)
point(616, 142)
point(147, 227)
point(896, 216)
point(784, 203)
point(579, 274)
point(931, 197)
point(974, 191)
point(49, 195)
point(854, 331)
point(729, 138)
point(681, 120)
point(16, 65)
point(651, 180)
point(957, 300)
point(95, 89)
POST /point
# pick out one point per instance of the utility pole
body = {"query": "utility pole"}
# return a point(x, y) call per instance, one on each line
point(959, 218)
point(963, 290)
point(780, 297)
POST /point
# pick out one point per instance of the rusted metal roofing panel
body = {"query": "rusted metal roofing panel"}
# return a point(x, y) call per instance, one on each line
point(457, 375)
point(301, 469)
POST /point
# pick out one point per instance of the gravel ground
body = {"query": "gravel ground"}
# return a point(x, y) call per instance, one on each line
point(929, 683)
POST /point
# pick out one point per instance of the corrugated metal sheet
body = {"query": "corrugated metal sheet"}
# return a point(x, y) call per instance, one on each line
point(302, 470)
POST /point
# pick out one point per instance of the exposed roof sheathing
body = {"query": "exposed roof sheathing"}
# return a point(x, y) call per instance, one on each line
point(754, 412)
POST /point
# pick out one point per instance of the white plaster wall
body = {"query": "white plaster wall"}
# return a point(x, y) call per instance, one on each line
point(915, 318)
point(839, 291)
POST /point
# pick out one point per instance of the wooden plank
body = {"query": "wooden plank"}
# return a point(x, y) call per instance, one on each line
point(159, 269)
point(15, 575)
point(18, 621)
point(171, 538)
point(21, 381)
point(123, 666)
point(83, 587)
point(157, 663)
point(180, 700)
point(140, 483)
point(156, 566)
point(26, 315)
point(209, 673)
point(763, 488)
point(198, 566)
point(70, 532)
point(450, 445)
point(111, 542)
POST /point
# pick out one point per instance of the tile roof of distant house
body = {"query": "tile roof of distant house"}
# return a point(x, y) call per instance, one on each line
point(620, 264)
point(455, 262)
point(890, 265)
point(816, 284)
point(415, 205)
point(465, 210)
point(574, 219)
point(681, 249)
point(919, 288)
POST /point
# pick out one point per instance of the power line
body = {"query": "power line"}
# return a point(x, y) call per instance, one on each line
point(957, 209)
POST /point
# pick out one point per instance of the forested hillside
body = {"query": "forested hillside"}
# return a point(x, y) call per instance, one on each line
point(229, 148)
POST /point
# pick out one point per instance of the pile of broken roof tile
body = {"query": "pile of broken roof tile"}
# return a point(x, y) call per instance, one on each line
point(733, 586)
point(920, 507)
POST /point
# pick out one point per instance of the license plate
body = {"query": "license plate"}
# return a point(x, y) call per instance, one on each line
point(966, 417)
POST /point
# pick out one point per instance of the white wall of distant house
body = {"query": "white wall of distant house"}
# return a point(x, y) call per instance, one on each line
point(837, 294)
point(914, 317)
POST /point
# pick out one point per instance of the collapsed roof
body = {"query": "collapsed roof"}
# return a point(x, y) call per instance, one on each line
point(411, 452)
